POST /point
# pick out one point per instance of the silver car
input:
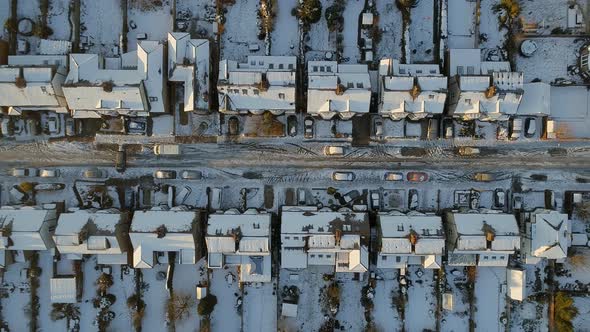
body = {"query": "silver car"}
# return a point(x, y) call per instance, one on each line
point(343, 176)
point(165, 174)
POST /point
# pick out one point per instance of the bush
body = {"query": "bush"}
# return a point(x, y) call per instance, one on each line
point(206, 305)
point(104, 281)
point(309, 11)
point(180, 306)
point(42, 31)
point(11, 25)
point(565, 312)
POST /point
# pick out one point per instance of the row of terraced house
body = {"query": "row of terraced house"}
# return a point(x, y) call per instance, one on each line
point(138, 84)
point(308, 237)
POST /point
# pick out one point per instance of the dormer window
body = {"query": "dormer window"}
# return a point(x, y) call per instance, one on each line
point(322, 69)
point(290, 66)
point(359, 85)
point(329, 69)
point(468, 101)
point(281, 66)
point(256, 92)
point(271, 66)
point(281, 95)
point(350, 85)
point(244, 91)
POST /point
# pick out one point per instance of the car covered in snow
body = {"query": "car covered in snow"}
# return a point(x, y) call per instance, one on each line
point(394, 176)
point(49, 173)
point(343, 176)
point(530, 127)
point(49, 186)
point(417, 177)
point(191, 175)
point(375, 200)
point(308, 128)
point(22, 172)
point(349, 197)
point(165, 174)
point(334, 150)
point(499, 198)
point(94, 173)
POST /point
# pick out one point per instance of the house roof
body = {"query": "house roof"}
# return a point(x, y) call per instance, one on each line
point(536, 99)
point(104, 222)
point(249, 224)
point(175, 221)
point(471, 229)
point(309, 220)
point(63, 290)
point(550, 233)
point(25, 219)
point(395, 232)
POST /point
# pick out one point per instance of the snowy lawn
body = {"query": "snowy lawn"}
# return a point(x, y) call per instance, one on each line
point(285, 36)
point(260, 307)
point(155, 295)
point(461, 24)
point(16, 297)
point(547, 14)
point(123, 287)
point(58, 19)
point(224, 284)
point(390, 23)
point(422, 32)
point(456, 319)
point(155, 20)
point(319, 39)
point(385, 314)
point(102, 23)
point(186, 277)
point(241, 30)
point(551, 60)
point(310, 313)
point(29, 9)
point(90, 273)
point(582, 321)
point(421, 305)
point(489, 24)
point(490, 297)
point(351, 314)
point(351, 15)
point(4, 15)
point(45, 321)
point(529, 316)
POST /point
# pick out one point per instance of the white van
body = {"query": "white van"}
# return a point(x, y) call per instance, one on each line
point(166, 149)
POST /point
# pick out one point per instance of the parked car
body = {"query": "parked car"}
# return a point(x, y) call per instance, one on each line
point(121, 160)
point(394, 176)
point(499, 198)
point(32, 127)
point(343, 176)
point(94, 173)
point(49, 173)
point(191, 175)
point(163, 174)
point(433, 128)
point(49, 186)
point(468, 151)
point(483, 177)
point(447, 126)
point(136, 127)
point(215, 198)
point(375, 200)
point(301, 196)
point(349, 197)
point(70, 127)
point(417, 177)
point(517, 203)
point(334, 150)
point(308, 128)
point(378, 127)
point(20, 172)
point(413, 199)
point(233, 126)
point(7, 127)
point(515, 128)
point(52, 125)
point(167, 149)
point(530, 127)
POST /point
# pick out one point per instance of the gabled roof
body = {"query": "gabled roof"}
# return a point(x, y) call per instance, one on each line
point(551, 234)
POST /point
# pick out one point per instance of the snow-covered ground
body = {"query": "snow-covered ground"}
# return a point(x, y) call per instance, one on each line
point(44, 319)
point(490, 298)
point(551, 60)
point(123, 287)
point(461, 24)
point(385, 314)
point(155, 295)
point(421, 306)
point(351, 16)
point(488, 26)
point(259, 311)
point(154, 20)
point(422, 32)
point(240, 31)
point(548, 14)
point(90, 273)
point(4, 15)
point(319, 39)
point(582, 321)
point(390, 23)
point(351, 315)
point(285, 36)
point(456, 319)
point(59, 20)
point(186, 278)
point(15, 305)
point(224, 284)
point(102, 23)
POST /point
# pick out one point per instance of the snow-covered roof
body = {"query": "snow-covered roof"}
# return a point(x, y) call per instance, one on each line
point(464, 61)
point(264, 83)
point(104, 222)
point(188, 62)
point(249, 224)
point(346, 91)
point(536, 99)
point(550, 234)
point(395, 232)
point(305, 220)
point(63, 290)
point(59, 61)
point(27, 228)
point(289, 309)
point(398, 102)
point(473, 99)
point(175, 221)
point(516, 280)
point(138, 90)
point(392, 67)
point(470, 230)
point(54, 47)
